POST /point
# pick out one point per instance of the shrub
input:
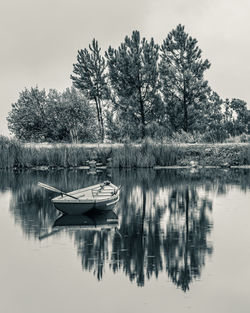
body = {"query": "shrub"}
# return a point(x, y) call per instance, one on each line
point(215, 135)
point(184, 137)
point(244, 138)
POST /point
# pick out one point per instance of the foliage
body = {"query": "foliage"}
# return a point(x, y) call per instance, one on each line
point(114, 129)
point(244, 138)
point(70, 117)
point(158, 131)
point(133, 75)
point(248, 121)
point(139, 90)
point(65, 116)
point(237, 118)
point(218, 134)
point(182, 76)
point(27, 118)
point(90, 78)
point(184, 137)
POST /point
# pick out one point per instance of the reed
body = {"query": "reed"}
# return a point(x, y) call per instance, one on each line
point(10, 151)
point(145, 155)
point(57, 156)
point(148, 154)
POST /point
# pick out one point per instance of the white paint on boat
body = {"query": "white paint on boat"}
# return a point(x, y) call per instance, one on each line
point(100, 197)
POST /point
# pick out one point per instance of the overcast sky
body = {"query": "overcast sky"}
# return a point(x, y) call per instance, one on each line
point(40, 38)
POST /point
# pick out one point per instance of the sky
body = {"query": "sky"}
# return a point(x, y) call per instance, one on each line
point(39, 39)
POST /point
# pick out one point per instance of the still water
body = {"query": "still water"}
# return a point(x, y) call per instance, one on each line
point(178, 241)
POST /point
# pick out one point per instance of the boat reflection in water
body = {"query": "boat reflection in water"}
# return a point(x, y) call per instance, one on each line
point(93, 234)
point(93, 221)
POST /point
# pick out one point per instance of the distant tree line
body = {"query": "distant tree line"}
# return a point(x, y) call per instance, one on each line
point(138, 90)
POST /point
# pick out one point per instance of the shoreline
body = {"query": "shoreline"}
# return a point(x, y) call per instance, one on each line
point(172, 167)
point(17, 155)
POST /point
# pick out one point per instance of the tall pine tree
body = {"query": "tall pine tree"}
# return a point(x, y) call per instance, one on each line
point(90, 78)
point(133, 76)
point(182, 77)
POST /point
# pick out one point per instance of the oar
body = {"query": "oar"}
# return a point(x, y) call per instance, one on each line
point(117, 231)
point(55, 190)
point(49, 234)
point(118, 189)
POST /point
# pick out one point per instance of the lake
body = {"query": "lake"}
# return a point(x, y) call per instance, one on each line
point(177, 241)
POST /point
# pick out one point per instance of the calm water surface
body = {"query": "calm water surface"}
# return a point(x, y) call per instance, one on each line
point(178, 241)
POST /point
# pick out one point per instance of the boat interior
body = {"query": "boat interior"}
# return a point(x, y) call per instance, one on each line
point(100, 191)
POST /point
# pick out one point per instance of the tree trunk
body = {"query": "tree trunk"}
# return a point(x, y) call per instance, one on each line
point(101, 121)
point(143, 124)
point(143, 133)
point(98, 117)
point(185, 121)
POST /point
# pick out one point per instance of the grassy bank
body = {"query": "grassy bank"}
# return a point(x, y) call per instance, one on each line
point(148, 154)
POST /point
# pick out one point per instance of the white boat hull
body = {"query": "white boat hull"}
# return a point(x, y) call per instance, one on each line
point(98, 197)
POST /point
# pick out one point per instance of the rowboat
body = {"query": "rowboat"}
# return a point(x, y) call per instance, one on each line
point(102, 196)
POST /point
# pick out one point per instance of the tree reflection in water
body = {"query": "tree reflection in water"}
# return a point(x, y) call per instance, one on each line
point(186, 243)
point(93, 249)
point(153, 238)
point(164, 221)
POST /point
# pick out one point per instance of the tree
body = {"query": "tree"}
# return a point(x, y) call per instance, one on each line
point(210, 119)
point(235, 116)
point(114, 127)
point(239, 107)
point(27, 120)
point(248, 122)
point(66, 116)
point(90, 78)
point(133, 75)
point(182, 77)
point(70, 117)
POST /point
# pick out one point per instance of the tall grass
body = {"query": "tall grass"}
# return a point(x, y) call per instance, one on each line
point(9, 152)
point(146, 155)
point(54, 157)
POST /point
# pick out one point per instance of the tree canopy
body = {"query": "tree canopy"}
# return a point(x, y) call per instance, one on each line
point(139, 89)
point(133, 75)
point(182, 75)
point(90, 78)
point(66, 116)
point(26, 119)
